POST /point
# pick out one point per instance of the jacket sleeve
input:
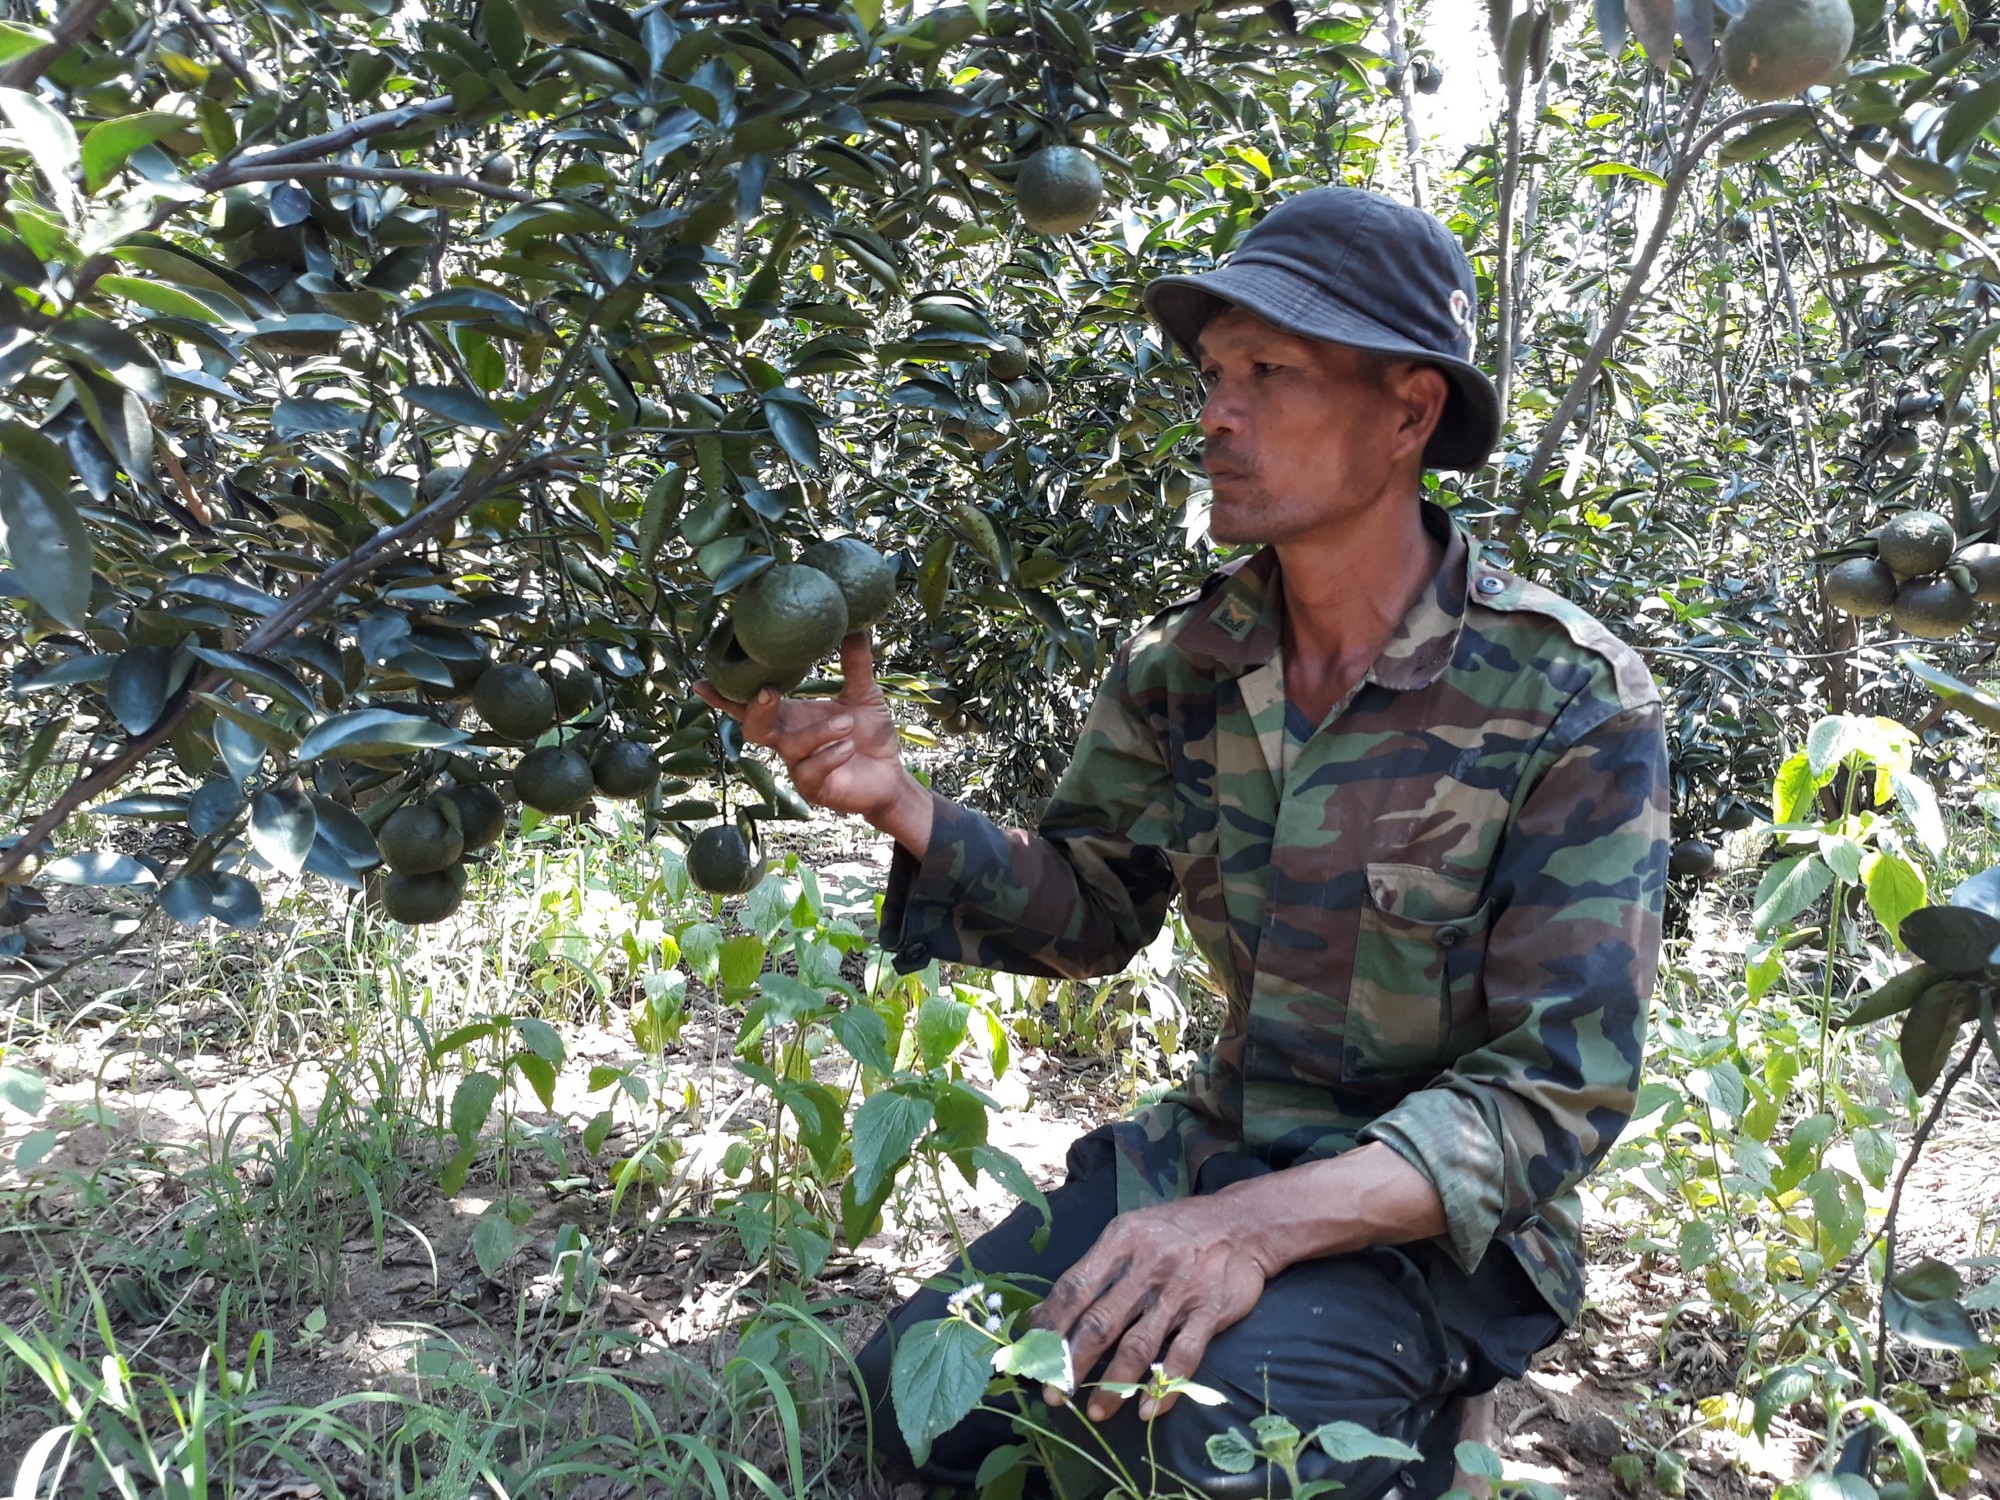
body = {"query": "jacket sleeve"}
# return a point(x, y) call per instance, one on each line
point(1074, 900)
point(1571, 956)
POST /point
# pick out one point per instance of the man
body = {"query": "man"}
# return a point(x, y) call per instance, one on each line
point(1415, 812)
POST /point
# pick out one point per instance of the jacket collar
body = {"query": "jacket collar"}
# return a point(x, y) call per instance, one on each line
point(1236, 622)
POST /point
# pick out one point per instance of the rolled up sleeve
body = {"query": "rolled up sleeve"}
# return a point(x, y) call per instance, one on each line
point(1074, 900)
point(1572, 953)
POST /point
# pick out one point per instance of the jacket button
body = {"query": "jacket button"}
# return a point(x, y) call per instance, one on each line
point(1449, 937)
point(1490, 585)
point(918, 953)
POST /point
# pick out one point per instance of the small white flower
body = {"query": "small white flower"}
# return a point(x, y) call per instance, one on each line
point(992, 1325)
point(993, 1302)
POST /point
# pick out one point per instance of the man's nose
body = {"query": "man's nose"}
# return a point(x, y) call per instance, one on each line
point(1221, 413)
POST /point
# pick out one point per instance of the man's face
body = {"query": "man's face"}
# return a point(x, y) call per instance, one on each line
point(1300, 434)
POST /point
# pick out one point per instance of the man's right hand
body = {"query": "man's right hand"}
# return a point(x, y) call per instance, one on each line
point(842, 753)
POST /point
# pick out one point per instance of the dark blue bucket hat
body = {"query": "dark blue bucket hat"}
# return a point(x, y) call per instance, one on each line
point(1355, 268)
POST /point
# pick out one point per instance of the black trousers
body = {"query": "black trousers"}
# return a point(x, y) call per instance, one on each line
point(1391, 1338)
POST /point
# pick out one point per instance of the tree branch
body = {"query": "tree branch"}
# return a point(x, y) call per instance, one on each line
point(71, 27)
point(228, 176)
point(1689, 158)
point(312, 147)
point(245, 74)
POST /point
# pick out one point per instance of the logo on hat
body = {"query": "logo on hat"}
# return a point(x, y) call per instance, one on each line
point(1461, 314)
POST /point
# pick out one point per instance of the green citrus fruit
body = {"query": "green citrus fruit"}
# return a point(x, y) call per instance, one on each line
point(867, 581)
point(1735, 815)
point(481, 814)
point(1800, 380)
point(1982, 561)
point(1691, 857)
point(1010, 360)
point(1778, 48)
point(1902, 442)
point(554, 779)
point(418, 899)
point(546, 20)
point(499, 169)
point(1915, 542)
point(722, 862)
point(735, 675)
point(1026, 397)
point(515, 701)
point(419, 840)
point(576, 688)
point(1933, 608)
point(1059, 190)
point(789, 615)
point(982, 431)
point(1861, 586)
point(624, 769)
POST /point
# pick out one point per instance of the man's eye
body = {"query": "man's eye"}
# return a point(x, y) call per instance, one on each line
point(1264, 367)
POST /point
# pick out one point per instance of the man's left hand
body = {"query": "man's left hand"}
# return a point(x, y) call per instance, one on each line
point(1169, 1277)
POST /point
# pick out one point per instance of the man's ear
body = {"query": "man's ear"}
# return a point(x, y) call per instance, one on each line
point(1417, 392)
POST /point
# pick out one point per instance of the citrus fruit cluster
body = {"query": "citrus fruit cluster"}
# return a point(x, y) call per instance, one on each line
point(1919, 576)
point(792, 614)
point(1779, 48)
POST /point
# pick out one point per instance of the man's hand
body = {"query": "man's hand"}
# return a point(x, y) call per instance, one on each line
point(1169, 1277)
point(842, 753)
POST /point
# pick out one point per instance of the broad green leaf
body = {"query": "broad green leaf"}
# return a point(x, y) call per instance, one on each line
point(110, 143)
point(1895, 888)
point(501, 25)
point(1350, 1443)
point(1782, 1388)
point(494, 1241)
point(865, 1035)
point(375, 732)
point(1038, 1356)
point(141, 680)
point(1919, 803)
point(471, 1103)
point(1980, 707)
point(938, 1375)
point(1007, 1169)
point(1921, 1303)
point(541, 1076)
point(1930, 1031)
point(1792, 790)
point(1966, 120)
point(50, 141)
point(22, 1089)
point(1955, 938)
point(17, 40)
point(283, 824)
point(1720, 1086)
point(42, 535)
point(541, 1038)
point(1232, 1452)
point(941, 1023)
point(1788, 888)
point(1893, 996)
point(457, 403)
point(886, 1126)
point(98, 867)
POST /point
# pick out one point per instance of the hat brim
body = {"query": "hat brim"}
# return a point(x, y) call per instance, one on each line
point(1467, 430)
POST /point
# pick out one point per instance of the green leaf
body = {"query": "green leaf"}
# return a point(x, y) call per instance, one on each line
point(98, 867)
point(1894, 996)
point(283, 825)
point(1921, 1303)
point(1874, 1154)
point(1792, 790)
point(541, 1076)
point(1350, 1443)
point(794, 430)
point(22, 1088)
point(941, 1023)
point(41, 533)
point(1478, 1460)
point(18, 41)
point(456, 403)
point(33, 1149)
point(1955, 938)
point(1788, 888)
point(1772, 136)
point(938, 1375)
point(501, 24)
point(1783, 1387)
point(865, 1035)
point(886, 1126)
point(141, 680)
point(1980, 707)
point(471, 1103)
point(1037, 1356)
point(1919, 804)
point(1008, 1171)
point(494, 1241)
point(1720, 1087)
point(869, 14)
point(1232, 1452)
point(50, 142)
point(1966, 120)
point(1895, 888)
point(1931, 1029)
point(542, 1039)
point(375, 731)
point(110, 144)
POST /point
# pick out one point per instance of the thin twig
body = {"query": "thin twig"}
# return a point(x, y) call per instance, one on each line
point(231, 60)
point(222, 177)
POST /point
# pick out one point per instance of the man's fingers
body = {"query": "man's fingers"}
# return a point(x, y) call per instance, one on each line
point(1182, 1359)
point(1136, 1353)
point(801, 735)
point(857, 667)
point(707, 692)
point(1076, 1289)
point(810, 774)
point(760, 717)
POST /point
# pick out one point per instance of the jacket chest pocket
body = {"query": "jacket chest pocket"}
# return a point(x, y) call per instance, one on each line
point(1414, 999)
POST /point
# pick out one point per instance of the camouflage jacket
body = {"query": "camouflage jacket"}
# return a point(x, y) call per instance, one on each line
point(1436, 916)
